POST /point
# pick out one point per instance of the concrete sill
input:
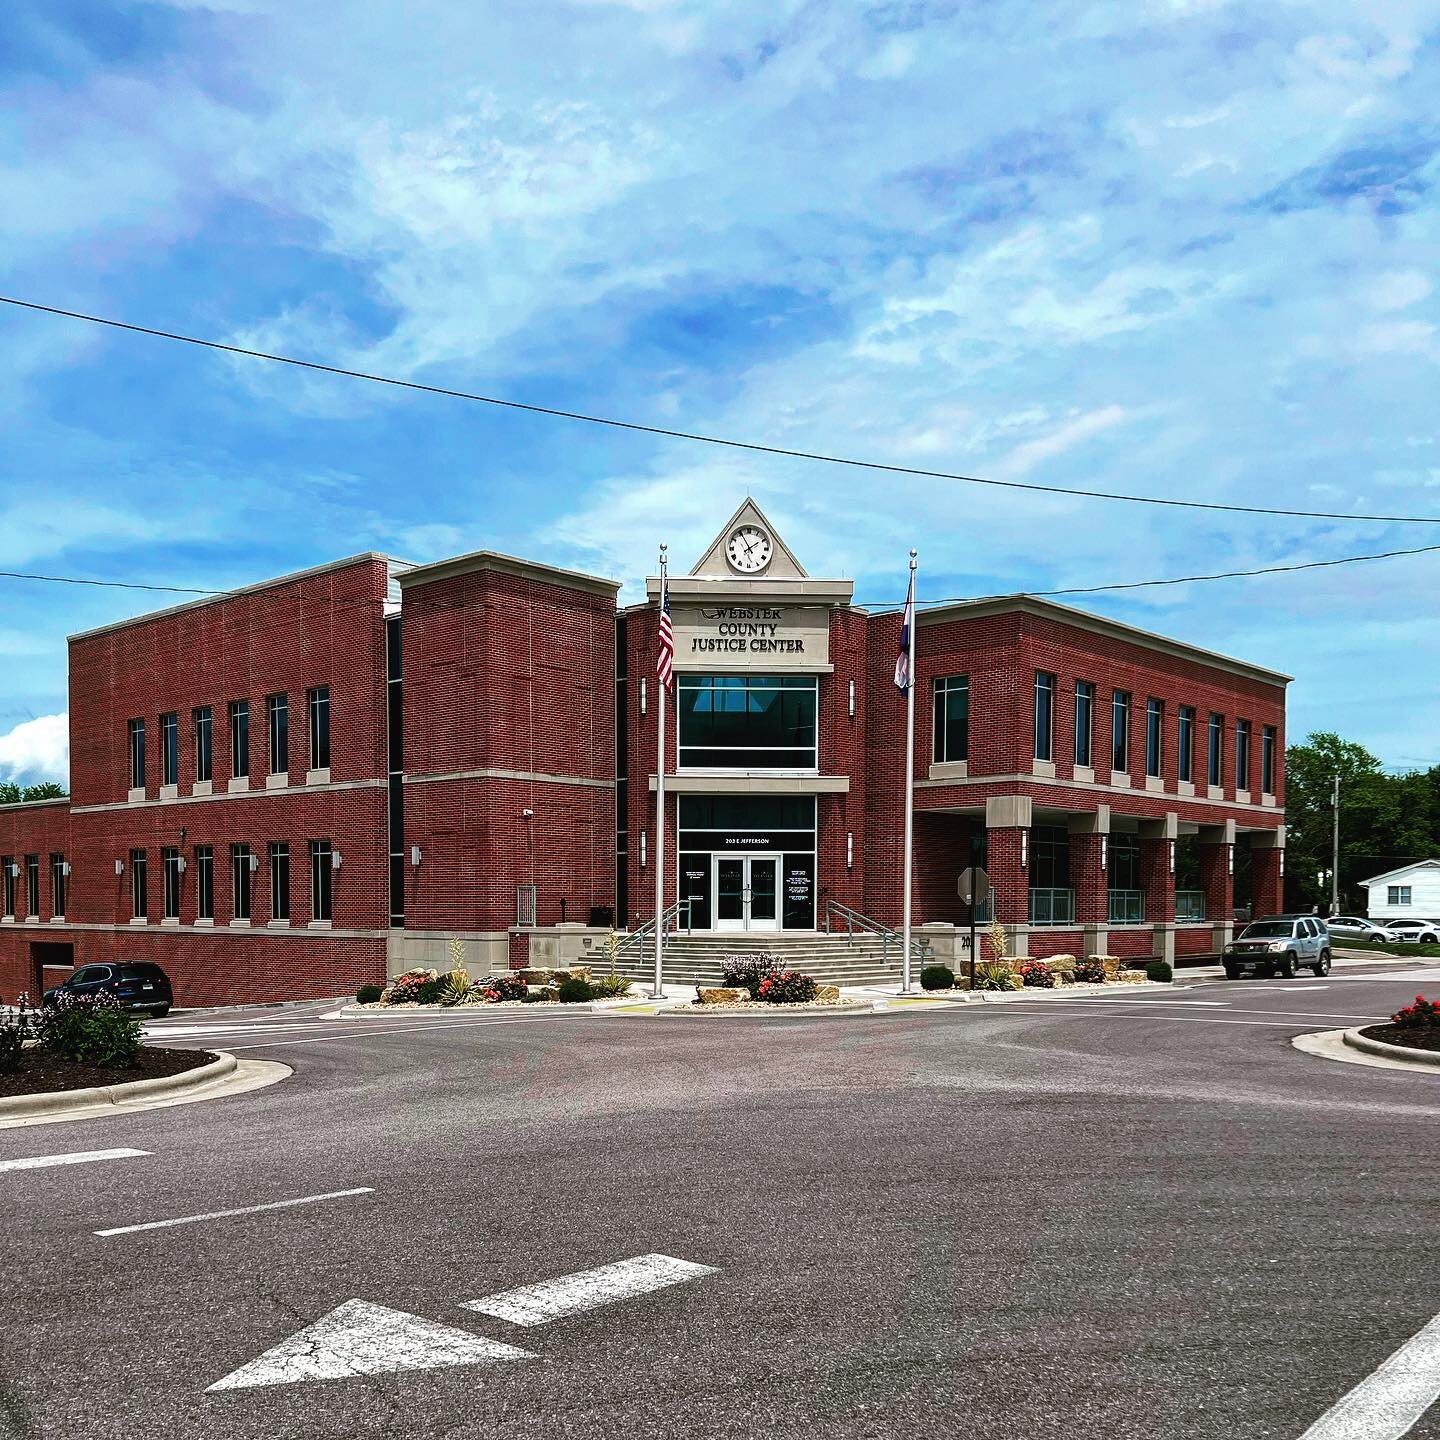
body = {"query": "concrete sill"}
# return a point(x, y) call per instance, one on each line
point(1154, 782)
point(1045, 769)
point(319, 925)
point(136, 795)
point(1268, 801)
point(1214, 792)
point(203, 787)
point(139, 919)
point(1242, 797)
point(277, 782)
point(1120, 779)
point(205, 923)
point(237, 785)
point(1184, 787)
point(318, 777)
point(950, 770)
point(239, 924)
point(32, 919)
point(7, 919)
point(170, 920)
point(277, 924)
point(57, 919)
point(1085, 773)
point(169, 792)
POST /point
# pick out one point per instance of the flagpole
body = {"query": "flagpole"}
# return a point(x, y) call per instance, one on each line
point(660, 803)
point(909, 777)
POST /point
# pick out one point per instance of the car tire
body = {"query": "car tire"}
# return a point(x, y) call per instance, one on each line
point(161, 1013)
point(1232, 972)
point(1322, 966)
point(1286, 968)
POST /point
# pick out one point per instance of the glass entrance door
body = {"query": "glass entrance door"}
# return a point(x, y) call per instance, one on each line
point(746, 891)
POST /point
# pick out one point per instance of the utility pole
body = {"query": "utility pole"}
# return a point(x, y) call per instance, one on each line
point(1335, 849)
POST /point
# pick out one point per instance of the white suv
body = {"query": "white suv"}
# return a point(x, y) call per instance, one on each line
point(1279, 945)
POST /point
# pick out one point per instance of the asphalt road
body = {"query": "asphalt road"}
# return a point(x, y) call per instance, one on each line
point(1069, 1217)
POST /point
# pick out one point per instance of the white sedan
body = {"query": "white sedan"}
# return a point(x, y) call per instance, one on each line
point(1353, 927)
point(1420, 932)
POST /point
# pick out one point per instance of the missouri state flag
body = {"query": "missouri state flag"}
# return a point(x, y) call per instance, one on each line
point(902, 660)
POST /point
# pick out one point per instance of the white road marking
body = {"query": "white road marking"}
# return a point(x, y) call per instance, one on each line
point(75, 1157)
point(358, 1338)
point(407, 1029)
point(244, 1210)
point(589, 1289)
point(1385, 1405)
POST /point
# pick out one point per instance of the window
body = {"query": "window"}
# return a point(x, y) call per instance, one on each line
point(1044, 715)
point(318, 704)
point(1397, 894)
point(240, 880)
point(239, 738)
point(279, 880)
point(277, 715)
point(1242, 754)
point(1186, 736)
point(952, 718)
point(322, 878)
point(57, 885)
point(204, 744)
point(171, 867)
point(1050, 857)
point(1084, 722)
point(1154, 736)
point(1215, 765)
point(747, 722)
point(1267, 759)
point(8, 871)
point(204, 882)
point(1120, 731)
point(170, 749)
point(139, 890)
point(1124, 862)
point(32, 884)
point(395, 761)
point(137, 754)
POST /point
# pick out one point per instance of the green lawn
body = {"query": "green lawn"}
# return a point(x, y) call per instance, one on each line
point(1420, 952)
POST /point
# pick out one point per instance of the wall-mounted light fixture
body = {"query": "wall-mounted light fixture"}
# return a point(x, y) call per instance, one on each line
point(642, 850)
point(852, 699)
point(1172, 857)
point(1104, 852)
point(254, 863)
point(180, 863)
point(414, 855)
point(1230, 859)
point(334, 859)
point(64, 867)
point(119, 868)
point(1282, 864)
point(1024, 848)
point(642, 695)
point(849, 849)
point(527, 814)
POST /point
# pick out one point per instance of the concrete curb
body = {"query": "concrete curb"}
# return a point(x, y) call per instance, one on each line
point(1356, 1041)
point(21, 1107)
point(769, 1012)
point(379, 1012)
point(1331, 1045)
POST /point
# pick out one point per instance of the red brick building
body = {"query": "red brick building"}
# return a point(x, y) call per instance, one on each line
point(293, 789)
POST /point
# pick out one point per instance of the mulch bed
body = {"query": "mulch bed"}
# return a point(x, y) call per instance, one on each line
point(1413, 1037)
point(39, 1073)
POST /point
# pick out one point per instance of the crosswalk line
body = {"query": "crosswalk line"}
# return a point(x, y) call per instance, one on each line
point(74, 1157)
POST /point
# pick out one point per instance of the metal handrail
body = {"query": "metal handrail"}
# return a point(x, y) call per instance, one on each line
point(636, 937)
point(854, 920)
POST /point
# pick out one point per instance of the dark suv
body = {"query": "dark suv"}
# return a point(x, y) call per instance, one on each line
point(136, 984)
point(1279, 945)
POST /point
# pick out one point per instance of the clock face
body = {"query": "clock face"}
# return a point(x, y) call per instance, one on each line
point(749, 550)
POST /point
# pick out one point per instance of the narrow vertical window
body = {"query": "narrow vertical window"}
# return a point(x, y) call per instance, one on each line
point(279, 880)
point(57, 885)
point(1242, 754)
point(170, 870)
point(137, 754)
point(240, 880)
point(1215, 764)
point(1084, 722)
point(204, 744)
point(322, 878)
point(1185, 736)
point(139, 885)
point(952, 718)
point(204, 882)
point(8, 870)
point(277, 713)
point(1044, 715)
point(239, 738)
point(32, 885)
point(170, 749)
point(1120, 731)
point(318, 704)
point(1154, 737)
point(1267, 759)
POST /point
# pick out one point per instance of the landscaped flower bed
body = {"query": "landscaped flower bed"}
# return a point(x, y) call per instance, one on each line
point(524, 987)
point(1416, 1027)
point(78, 1042)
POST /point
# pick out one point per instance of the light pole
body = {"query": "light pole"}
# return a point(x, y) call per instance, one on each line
point(1335, 849)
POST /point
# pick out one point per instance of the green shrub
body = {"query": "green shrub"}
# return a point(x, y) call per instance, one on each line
point(996, 975)
point(747, 972)
point(1421, 1015)
point(90, 1030)
point(937, 977)
point(610, 987)
point(12, 1044)
point(574, 991)
point(1159, 970)
point(787, 987)
point(369, 994)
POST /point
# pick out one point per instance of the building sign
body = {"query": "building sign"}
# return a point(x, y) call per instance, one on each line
point(760, 637)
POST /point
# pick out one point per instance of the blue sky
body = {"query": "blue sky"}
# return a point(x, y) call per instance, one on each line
point(1178, 247)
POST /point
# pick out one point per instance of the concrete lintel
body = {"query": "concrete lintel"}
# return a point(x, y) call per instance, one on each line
point(1268, 839)
point(1216, 834)
point(1009, 812)
point(1166, 829)
point(754, 784)
point(1094, 822)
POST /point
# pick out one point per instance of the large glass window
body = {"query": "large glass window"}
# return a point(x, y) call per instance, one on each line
point(139, 885)
point(1242, 754)
point(1267, 759)
point(277, 713)
point(1044, 715)
point(318, 704)
point(32, 885)
point(240, 880)
point(137, 754)
point(1084, 722)
point(57, 885)
point(170, 749)
point(1154, 736)
point(204, 882)
point(1185, 758)
point(1050, 857)
point(8, 872)
point(170, 870)
point(1124, 862)
point(239, 738)
point(773, 825)
point(322, 879)
point(279, 880)
point(204, 746)
point(747, 722)
point(1120, 731)
point(1215, 765)
point(952, 718)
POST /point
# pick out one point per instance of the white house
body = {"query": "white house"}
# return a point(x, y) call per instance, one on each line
point(1410, 893)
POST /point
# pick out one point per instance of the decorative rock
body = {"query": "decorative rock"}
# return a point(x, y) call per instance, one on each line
point(720, 996)
point(828, 992)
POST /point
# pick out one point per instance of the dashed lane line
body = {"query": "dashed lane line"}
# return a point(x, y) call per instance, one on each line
point(243, 1210)
point(408, 1029)
point(75, 1157)
point(1388, 1403)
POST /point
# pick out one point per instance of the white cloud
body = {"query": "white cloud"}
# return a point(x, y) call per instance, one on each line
point(1024, 458)
point(1396, 289)
point(36, 751)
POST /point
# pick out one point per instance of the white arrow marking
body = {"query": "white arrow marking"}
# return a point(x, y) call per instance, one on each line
point(589, 1289)
point(358, 1338)
point(75, 1157)
point(1385, 1405)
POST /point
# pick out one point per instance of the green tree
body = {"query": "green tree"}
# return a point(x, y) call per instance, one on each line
point(12, 793)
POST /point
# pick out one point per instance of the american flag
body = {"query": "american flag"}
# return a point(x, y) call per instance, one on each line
point(665, 664)
point(903, 678)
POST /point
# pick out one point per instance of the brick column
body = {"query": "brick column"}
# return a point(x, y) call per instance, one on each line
point(1267, 872)
point(1090, 877)
point(1157, 875)
point(1007, 825)
point(1215, 847)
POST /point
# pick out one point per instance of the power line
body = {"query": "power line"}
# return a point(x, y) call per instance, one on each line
point(753, 447)
point(107, 584)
